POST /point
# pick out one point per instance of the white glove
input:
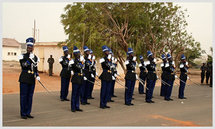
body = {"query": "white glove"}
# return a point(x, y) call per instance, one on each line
point(68, 56)
point(188, 77)
point(61, 59)
point(137, 76)
point(85, 78)
point(31, 55)
point(176, 76)
point(115, 75)
point(72, 73)
point(38, 78)
point(81, 58)
point(92, 76)
point(109, 56)
point(93, 58)
point(113, 78)
point(96, 74)
point(157, 77)
point(134, 58)
point(89, 56)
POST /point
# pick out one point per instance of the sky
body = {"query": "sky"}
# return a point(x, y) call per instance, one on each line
point(18, 20)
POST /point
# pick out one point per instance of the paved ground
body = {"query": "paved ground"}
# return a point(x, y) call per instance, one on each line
point(50, 111)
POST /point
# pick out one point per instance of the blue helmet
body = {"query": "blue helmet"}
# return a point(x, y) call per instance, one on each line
point(149, 53)
point(65, 48)
point(76, 50)
point(105, 48)
point(168, 56)
point(183, 57)
point(141, 57)
point(163, 56)
point(130, 51)
point(30, 41)
point(86, 49)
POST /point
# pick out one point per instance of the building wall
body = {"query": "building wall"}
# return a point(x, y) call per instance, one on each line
point(10, 53)
point(44, 52)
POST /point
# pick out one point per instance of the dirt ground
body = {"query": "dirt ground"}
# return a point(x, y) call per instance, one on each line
point(11, 72)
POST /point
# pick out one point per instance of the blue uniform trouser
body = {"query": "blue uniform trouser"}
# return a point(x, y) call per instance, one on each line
point(168, 89)
point(85, 91)
point(64, 87)
point(91, 86)
point(105, 90)
point(26, 98)
point(76, 90)
point(163, 87)
point(141, 87)
point(181, 89)
point(150, 84)
point(129, 91)
point(111, 89)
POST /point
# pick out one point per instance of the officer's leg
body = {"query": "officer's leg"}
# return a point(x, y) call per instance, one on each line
point(107, 93)
point(202, 77)
point(62, 88)
point(23, 98)
point(67, 80)
point(114, 81)
point(77, 103)
point(171, 86)
point(82, 92)
point(167, 89)
point(127, 84)
point(102, 94)
point(152, 89)
point(132, 90)
point(30, 98)
point(140, 88)
point(181, 89)
point(207, 77)
point(148, 85)
point(73, 98)
point(87, 86)
point(163, 88)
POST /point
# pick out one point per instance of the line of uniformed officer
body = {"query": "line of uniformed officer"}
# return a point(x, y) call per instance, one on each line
point(142, 76)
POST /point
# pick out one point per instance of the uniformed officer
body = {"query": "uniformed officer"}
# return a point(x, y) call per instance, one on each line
point(130, 77)
point(143, 74)
point(76, 67)
point(208, 72)
point(106, 77)
point(51, 62)
point(86, 84)
point(211, 74)
point(203, 69)
point(163, 75)
point(151, 76)
point(170, 69)
point(93, 74)
point(65, 74)
point(28, 63)
point(113, 72)
point(183, 76)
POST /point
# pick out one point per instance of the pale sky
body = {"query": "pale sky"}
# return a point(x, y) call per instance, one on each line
point(18, 19)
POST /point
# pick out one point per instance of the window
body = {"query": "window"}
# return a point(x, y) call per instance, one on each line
point(14, 53)
point(8, 53)
point(11, 53)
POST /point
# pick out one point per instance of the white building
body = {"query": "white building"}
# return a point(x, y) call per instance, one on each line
point(11, 49)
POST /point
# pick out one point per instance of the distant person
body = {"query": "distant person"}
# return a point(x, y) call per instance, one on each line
point(207, 72)
point(211, 74)
point(51, 62)
point(203, 69)
point(28, 62)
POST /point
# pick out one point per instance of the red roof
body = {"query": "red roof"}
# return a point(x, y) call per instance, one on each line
point(7, 42)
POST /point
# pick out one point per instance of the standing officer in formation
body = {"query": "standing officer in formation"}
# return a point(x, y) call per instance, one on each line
point(86, 84)
point(92, 73)
point(51, 62)
point(65, 74)
point(143, 75)
point(130, 76)
point(208, 72)
point(28, 63)
point(151, 76)
point(114, 73)
point(106, 77)
point(183, 76)
point(76, 67)
point(170, 69)
point(163, 75)
point(203, 69)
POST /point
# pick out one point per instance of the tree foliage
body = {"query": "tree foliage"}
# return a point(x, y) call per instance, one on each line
point(159, 27)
